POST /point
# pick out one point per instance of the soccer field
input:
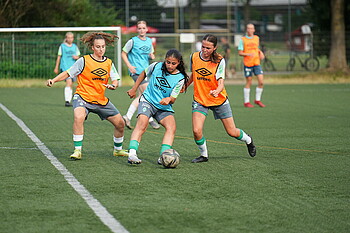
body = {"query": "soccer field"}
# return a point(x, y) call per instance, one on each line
point(298, 182)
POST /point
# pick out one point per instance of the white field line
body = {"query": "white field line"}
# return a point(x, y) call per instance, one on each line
point(17, 148)
point(93, 203)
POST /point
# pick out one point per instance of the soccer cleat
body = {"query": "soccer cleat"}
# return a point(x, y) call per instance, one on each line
point(120, 153)
point(127, 122)
point(200, 159)
point(159, 161)
point(251, 148)
point(258, 102)
point(248, 105)
point(134, 160)
point(67, 104)
point(154, 125)
point(76, 155)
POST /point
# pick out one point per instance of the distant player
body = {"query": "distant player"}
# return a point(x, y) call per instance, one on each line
point(93, 72)
point(249, 48)
point(166, 80)
point(68, 53)
point(136, 55)
point(208, 75)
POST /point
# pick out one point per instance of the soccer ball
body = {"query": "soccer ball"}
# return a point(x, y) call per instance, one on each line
point(170, 158)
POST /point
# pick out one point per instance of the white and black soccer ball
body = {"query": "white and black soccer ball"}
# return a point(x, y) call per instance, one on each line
point(170, 158)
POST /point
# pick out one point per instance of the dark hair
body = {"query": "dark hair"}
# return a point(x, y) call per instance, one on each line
point(90, 37)
point(214, 57)
point(181, 67)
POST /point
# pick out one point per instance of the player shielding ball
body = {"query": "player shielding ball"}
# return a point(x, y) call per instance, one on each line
point(208, 75)
point(93, 72)
point(166, 80)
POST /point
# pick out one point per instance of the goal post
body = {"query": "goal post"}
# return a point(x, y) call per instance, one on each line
point(24, 51)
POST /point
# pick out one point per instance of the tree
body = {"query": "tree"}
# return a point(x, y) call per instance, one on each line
point(321, 16)
point(55, 13)
point(337, 58)
point(12, 12)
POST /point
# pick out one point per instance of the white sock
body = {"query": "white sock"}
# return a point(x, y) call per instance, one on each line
point(150, 119)
point(246, 94)
point(258, 93)
point(68, 92)
point(118, 143)
point(203, 149)
point(131, 111)
point(76, 140)
point(246, 138)
point(132, 153)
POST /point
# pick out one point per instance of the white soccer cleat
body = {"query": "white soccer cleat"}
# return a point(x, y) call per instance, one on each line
point(154, 125)
point(133, 159)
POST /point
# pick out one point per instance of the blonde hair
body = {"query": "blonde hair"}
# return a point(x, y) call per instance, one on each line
point(90, 37)
point(141, 22)
point(68, 34)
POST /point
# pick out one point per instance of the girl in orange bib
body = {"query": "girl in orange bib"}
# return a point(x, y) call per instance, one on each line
point(208, 75)
point(93, 73)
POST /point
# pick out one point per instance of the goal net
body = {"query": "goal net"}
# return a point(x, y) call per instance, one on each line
point(32, 52)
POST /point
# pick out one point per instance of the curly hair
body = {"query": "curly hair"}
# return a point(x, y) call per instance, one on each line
point(90, 37)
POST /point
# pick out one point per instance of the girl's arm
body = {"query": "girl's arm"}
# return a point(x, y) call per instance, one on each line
point(219, 89)
point(132, 91)
point(241, 53)
point(174, 94)
point(58, 60)
point(184, 87)
point(62, 76)
point(261, 55)
point(127, 63)
point(167, 100)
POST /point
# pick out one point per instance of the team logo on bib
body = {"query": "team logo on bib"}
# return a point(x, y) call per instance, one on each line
point(163, 82)
point(144, 48)
point(203, 72)
point(99, 72)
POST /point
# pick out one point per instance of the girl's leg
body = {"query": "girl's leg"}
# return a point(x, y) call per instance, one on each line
point(118, 136)
point(140, 129)
point(78, 132)
point(68, 92)
point(246, 92)
point(239, 134)
point(259, 90)
point(198, 120)
point(135, 103)
point(169, 124)
point(151, 121)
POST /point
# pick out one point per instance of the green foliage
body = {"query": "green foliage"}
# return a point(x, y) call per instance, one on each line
point(63, 13)
point(320, 14)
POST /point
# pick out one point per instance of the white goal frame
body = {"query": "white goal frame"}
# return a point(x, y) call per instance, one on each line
point(77, 29)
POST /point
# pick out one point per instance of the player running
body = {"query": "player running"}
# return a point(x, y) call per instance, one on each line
point(208, 75)
point(136, 54)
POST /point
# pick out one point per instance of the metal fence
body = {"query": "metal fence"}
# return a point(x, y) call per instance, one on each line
point(33, 55)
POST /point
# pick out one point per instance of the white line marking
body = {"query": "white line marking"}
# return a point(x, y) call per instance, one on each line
point(17, 148)
point(94, 204)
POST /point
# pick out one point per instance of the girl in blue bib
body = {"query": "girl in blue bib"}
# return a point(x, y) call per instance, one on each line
point(166, 80)
point(68, 53)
